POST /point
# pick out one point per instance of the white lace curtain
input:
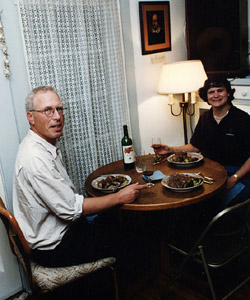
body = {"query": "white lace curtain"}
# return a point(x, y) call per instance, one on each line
point(76, 47)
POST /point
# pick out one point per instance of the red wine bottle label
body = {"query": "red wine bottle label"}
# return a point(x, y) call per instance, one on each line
point(128, 154)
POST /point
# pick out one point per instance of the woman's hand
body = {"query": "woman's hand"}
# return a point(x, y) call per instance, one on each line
point(231, 182)
point(163, 149)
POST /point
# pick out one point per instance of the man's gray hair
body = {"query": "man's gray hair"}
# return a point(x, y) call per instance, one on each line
point(32, 94)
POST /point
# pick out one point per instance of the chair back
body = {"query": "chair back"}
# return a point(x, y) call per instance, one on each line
point(226, 238)
point(232, 220)
point(227, 235)
point(18, 243)
point(42, 279)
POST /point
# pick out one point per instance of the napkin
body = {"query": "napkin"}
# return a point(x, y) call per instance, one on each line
point(158, 175)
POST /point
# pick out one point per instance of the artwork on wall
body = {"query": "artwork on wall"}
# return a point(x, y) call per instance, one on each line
point(155, 26)
point(205, 28)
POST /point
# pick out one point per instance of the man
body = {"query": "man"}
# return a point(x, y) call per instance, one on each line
point(156, 34)
point(46, 205)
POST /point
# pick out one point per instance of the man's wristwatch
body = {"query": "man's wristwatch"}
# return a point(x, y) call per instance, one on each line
point(235, 176)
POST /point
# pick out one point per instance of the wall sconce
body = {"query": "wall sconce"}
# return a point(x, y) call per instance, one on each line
point(182, 77)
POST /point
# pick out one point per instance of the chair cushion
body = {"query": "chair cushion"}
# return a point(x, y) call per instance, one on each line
point(47, 279)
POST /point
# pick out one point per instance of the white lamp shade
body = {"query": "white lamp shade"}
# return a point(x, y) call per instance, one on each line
point(182, 77)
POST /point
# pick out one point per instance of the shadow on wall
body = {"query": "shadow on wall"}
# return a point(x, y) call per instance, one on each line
point(155, 120)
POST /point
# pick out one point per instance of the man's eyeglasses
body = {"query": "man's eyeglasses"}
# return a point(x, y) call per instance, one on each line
point(49, 111)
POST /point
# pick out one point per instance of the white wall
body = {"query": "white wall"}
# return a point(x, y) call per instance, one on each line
point(155, 118)
point(13, 126)
point(10, 282)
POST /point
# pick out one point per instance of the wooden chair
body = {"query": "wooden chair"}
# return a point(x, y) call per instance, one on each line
point(222, 246)
point(41, 279)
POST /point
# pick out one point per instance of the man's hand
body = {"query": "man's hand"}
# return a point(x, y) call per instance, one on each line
point(130, 193)
point(98, 204)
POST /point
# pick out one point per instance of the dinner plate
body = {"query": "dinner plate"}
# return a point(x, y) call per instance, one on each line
point(198, 156)
point(187, 189)
point(94, 183)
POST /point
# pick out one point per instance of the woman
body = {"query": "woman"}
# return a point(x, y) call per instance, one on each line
point(222, 134)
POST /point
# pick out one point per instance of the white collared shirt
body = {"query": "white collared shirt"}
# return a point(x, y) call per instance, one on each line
point(45, 201)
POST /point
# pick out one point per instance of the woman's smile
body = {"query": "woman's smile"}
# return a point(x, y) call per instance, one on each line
point(217, 96)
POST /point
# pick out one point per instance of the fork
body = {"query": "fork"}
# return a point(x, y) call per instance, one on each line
point(206, 179)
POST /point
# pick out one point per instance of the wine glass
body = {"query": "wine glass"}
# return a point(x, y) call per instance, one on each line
point(138, 163)
point(156, 142)
point(148, 167)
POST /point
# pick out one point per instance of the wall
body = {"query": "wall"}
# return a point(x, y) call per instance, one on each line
point(13, 122)
point(154, 115)
point(13, 127)
point(10, 281)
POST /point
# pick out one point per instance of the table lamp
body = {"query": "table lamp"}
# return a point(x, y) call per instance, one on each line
point(182, 77)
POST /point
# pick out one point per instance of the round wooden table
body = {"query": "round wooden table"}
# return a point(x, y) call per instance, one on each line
point(159, 197)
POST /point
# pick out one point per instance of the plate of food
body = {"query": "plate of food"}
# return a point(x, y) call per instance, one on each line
point(185, 159)
point(182, 182)
point(111, 182)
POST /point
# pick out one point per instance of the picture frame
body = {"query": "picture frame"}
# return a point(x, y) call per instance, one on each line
point(155, 26)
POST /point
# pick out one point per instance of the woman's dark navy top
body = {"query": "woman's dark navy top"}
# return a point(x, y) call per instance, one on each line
point(227, 142)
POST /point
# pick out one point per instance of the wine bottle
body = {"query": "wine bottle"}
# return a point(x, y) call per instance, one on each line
point(128, 150)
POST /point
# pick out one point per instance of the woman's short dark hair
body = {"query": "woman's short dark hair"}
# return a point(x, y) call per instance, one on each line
point(216, 81)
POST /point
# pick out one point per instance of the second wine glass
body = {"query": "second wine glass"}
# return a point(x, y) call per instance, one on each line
point(148, 168)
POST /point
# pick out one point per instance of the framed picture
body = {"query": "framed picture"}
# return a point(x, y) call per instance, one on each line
point(155, 26)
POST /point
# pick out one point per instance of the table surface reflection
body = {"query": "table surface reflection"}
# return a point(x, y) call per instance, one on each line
point(159, 197)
